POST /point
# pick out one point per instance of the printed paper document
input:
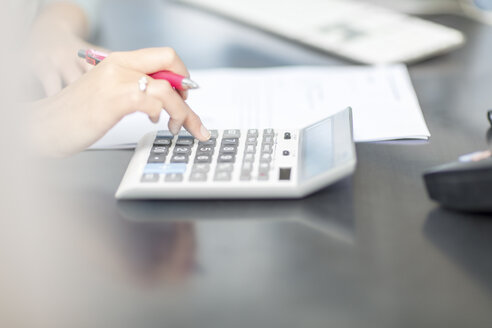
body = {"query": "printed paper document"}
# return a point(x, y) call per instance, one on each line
point(384, 103)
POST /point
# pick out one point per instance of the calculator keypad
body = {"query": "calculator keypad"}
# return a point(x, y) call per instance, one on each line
point(225, 158)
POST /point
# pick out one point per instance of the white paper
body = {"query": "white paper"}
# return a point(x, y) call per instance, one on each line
point(384, 103)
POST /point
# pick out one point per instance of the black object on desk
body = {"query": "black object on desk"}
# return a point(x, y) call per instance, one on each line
point(465, 184)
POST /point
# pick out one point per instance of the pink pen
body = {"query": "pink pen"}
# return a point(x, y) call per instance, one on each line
point(177, 81)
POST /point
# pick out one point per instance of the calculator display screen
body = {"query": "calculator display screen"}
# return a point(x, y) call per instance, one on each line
point(317, 153)
point(326, 145)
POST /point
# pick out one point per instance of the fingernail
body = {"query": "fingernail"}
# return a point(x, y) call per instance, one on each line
point(174, 127)
point(205, 133)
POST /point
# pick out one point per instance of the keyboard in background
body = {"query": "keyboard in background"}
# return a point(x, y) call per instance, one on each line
point(354, 30)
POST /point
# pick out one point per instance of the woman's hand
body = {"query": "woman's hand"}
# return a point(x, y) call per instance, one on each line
point(84, 111)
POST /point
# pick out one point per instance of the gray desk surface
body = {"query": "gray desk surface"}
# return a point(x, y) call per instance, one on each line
point(370, 251)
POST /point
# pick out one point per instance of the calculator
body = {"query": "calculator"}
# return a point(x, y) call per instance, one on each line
point(242, 163)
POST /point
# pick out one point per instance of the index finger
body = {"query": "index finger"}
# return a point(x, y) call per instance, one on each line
point(151, 60)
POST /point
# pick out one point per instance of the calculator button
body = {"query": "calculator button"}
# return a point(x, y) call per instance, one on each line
point(230, 141)
point(232, 134)
point(264, 167)
point(287, 136)
point(179, 159)
point(265, 158)
point(222, 176)
point(150, 177)
point(284, 173)
point(286, 153)
point(164, 134)
point(157, 158)
point(266, 149)
point(249, 158)
point(198, 176)
point(174, 177)
point(250, 149)
point(228, 150)
point(174, 168)
point(268, 132)
point(159, 150)
point(267, 141)
point(247, 167)
point(224, 167)
point(203, 159)
point(182, 150)
point(185, 134)
point(251, 141)
point(210, 142)
point(245, 177)
point(214, 134)
point(205, 150)
point(185, 141)
point(201, 167)
point(253, 133)
point(263, 176)
point(226, 158)
point(154, 168)
point(162, 142)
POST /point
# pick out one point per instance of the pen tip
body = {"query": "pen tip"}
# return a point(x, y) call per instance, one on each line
point(189, 84)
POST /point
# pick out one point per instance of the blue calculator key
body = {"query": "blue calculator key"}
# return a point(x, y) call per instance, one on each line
point(165, 168)
point(153, 168)
point(174, 168)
